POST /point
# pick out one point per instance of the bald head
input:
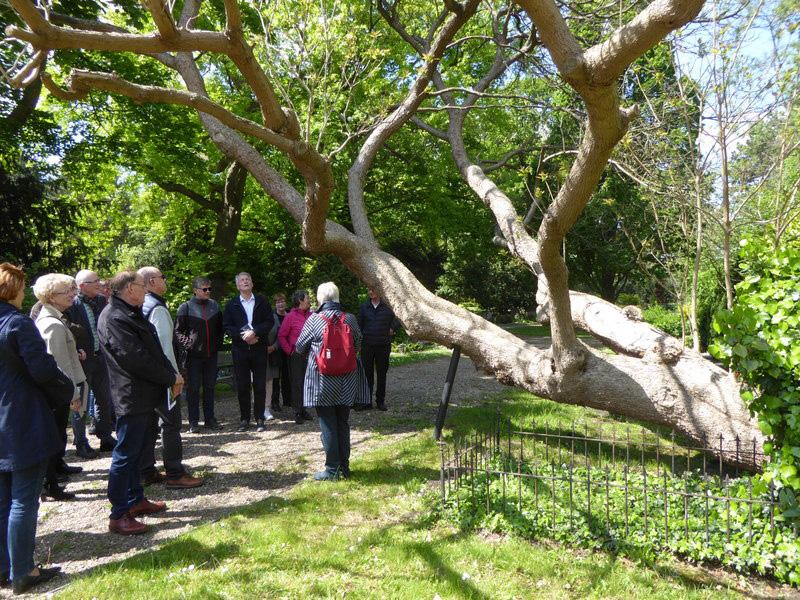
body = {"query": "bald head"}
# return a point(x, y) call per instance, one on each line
point(88, 282)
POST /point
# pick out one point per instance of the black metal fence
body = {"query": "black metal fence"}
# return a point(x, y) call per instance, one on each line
point(625, 486)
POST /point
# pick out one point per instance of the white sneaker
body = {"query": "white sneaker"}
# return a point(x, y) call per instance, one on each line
point(268, 416)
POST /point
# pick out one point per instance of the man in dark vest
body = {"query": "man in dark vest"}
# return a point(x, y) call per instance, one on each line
point(247, 320)
point(378, 324)
point(168, 415)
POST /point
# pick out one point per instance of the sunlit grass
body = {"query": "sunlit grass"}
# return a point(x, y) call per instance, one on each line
point(373, 537)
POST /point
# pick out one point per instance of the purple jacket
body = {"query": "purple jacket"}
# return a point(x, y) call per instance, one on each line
point(291, 327)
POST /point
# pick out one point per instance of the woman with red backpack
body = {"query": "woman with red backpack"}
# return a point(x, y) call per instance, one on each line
point(335, 380)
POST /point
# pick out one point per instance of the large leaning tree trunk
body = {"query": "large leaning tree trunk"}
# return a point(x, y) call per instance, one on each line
point(648, 376)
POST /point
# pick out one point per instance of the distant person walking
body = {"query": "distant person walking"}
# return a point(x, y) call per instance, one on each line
point(378, 325)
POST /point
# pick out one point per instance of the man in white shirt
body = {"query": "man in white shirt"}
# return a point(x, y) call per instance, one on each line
point(247, 320)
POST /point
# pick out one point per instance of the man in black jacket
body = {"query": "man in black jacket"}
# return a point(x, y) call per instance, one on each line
point(378, 324)
point(199, 331)
point(247, 320)
point(139, 376)
point(85, 311)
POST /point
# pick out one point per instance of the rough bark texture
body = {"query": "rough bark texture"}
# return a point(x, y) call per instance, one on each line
point(651, 376)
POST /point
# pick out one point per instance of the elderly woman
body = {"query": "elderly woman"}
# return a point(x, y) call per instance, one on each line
point(332, 395)
point(29, 379)
point(290, 328)
point(56, 293)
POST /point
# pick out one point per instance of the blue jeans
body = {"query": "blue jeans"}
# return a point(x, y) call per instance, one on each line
point(19, 507)
point(124, 482)
point(334, 425)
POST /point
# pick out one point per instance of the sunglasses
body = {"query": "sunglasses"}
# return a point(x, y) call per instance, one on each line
point(205, 289)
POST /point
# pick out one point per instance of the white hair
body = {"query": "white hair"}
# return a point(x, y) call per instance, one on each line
point(148, 273)
point(236, 279)
point(83, 275)
point(49, 285)
point(327, 292)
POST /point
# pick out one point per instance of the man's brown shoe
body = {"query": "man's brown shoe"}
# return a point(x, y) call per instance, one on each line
point(145, 507)
point(155, 477)
point(127, 525)
point(184, 482)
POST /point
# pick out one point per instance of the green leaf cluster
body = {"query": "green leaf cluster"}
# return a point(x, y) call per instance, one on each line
point(759, 338)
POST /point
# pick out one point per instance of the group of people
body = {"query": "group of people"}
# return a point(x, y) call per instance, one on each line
point(122, 350)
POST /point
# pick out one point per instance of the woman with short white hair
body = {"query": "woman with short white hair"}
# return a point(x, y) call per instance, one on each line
point(335, 380)
point(56, 292)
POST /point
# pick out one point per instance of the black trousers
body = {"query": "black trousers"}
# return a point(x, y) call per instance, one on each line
point(61, 415)
point(171, 444)
point(250, 370)
point(97, 377)
point(297, 372)
point(282, 385)
point(201, 372)
point(376, 358)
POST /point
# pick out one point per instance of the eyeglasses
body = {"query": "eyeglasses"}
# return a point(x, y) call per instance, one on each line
point(65, 292)
point(91, 282)
point(204, 289)
point(164, 277)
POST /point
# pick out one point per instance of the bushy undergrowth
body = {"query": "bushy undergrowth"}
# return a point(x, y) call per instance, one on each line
point(614, 512)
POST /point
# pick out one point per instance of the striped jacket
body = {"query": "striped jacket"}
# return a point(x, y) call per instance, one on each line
point(330, 390)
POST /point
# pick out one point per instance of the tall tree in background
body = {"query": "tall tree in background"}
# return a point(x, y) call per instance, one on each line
point(651, 376)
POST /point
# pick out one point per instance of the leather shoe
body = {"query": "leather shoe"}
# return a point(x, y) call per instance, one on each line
point(194, 428)
point(243, 425)
point(86, 452)
point(66, 469)
point(126, 525)
point(108, 444)
point(214, 425)
point(184, 482)
point(26, 582)
point(55, 492)
point(261, 427)
point(382, 406)
point(154, 477)
point(145, 507)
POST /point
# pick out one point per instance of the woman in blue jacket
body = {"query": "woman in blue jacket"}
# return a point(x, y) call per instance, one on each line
point(29, 379)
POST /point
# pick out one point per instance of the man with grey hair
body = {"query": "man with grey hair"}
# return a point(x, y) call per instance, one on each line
point(168, 415)
point(140, 375)
point(247, 320)
point(85, 311)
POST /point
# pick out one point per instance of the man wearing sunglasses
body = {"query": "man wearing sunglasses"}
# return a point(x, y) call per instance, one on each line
point(199, 331)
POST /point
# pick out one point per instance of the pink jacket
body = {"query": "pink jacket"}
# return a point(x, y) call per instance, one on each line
point(291, 327)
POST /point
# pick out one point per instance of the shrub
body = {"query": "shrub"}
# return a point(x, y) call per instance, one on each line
point(665, 318)
point(760, 340)
point(625, 299)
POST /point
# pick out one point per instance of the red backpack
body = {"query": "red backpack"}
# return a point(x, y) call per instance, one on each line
point(337, 356)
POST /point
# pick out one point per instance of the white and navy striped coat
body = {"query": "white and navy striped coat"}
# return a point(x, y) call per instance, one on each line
point(330, 390)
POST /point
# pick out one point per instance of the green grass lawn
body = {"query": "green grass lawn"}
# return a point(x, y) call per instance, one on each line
point(372, 537)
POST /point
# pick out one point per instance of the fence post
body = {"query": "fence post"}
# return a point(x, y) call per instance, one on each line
point(448, 388)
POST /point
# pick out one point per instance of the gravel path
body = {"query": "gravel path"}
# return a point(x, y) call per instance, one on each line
point(238, 468)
